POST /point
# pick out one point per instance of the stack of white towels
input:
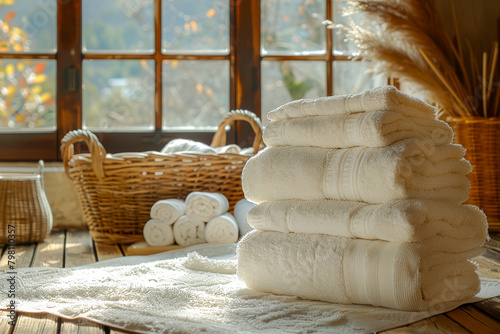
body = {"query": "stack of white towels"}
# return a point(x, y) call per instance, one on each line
point(201, 218)
point(359, 202)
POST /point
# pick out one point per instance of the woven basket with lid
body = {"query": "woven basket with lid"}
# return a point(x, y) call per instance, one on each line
point(116, 191)
point(25, 214)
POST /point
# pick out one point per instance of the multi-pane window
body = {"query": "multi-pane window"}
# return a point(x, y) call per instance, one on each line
point(303, 59)
point(119, 91)
point(139, 73)
point(27, 66)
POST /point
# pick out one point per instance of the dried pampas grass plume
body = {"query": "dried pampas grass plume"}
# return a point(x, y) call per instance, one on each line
point(407, 39)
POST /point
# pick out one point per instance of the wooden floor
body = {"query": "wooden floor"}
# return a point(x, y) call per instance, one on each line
point(64, 249)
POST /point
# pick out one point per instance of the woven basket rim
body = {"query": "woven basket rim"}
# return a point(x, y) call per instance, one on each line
point(98, 155)
point(474, 119)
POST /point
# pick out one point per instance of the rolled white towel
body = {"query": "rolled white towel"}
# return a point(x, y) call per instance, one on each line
point(247, 151)
point(189, 231)
point(398, 221)
point(409, 168)
point(158, 233)
point(206, 205)
point(186, 145)
point(370, 129)
point(380, 98)
point(405, 276)
point(222, 229)
point(168, 210)
point(241, 209)
point(231, 148)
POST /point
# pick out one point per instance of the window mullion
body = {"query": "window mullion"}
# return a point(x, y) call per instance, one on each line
point(329, 51)
point(69, 67)
point(158, 67)
point(247, 61)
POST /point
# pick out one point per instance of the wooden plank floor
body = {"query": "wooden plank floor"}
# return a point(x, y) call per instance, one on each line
point(73, 248)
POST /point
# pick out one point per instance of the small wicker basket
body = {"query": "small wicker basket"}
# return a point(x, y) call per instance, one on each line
point(25, 216)
point(116, 191)
point(481, 137)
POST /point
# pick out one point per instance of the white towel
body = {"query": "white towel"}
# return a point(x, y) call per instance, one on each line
point(371, 129)
point(158, 233)
point(406, 276)
point(398, 221)
point(222, 229)
point(241, 209)
point(168, 210)
point(186, 145)
point(206, 205)
point(189, 231)
point(407, 169)
point(381, 98)
point(231, 148)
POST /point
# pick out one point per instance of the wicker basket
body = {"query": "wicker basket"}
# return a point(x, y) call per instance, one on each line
point(25, 216)
point(116, 191)
point(481, 138)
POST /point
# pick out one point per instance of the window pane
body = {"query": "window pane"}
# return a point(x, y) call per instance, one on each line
point(118, 26)
point(118, 95)
point(285, 81)
point(28, 26)
point(351, 77)
point(341, 47)
point(195, 94)
point(293, 27)
point(195, 27)
point(27, 95)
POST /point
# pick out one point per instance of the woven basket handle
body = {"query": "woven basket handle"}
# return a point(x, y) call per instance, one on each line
point(219, 138)
point(97, 151)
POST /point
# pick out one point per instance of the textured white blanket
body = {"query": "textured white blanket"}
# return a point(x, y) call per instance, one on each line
point(175, 293)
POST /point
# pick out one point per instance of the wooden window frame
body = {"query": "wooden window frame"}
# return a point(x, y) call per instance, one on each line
point(245, 86)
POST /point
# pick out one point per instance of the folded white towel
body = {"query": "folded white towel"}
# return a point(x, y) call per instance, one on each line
point(189, 231)
point(206, 205)
point(241, 209)
point(222, 229)
point(406, 276)
point(381, 98)
point(399, 221)
point(168, 210)
point(371, 129)
point(407, 169)
point(158, 233)
point(186, 145)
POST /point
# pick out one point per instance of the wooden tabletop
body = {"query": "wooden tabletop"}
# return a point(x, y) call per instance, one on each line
point(64, 249)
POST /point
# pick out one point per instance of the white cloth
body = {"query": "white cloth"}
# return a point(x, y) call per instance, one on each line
point(231, 148)
point(158, 233)
point(206, 205)
point(380, 98)
point(186, 145)
point(168, 210)
point(222, 229)
point(178, 292)
point(241, 209)
point(371, 129)
point(189, 231)
point(405, 276)
point(407, 169)
point(399, 221)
